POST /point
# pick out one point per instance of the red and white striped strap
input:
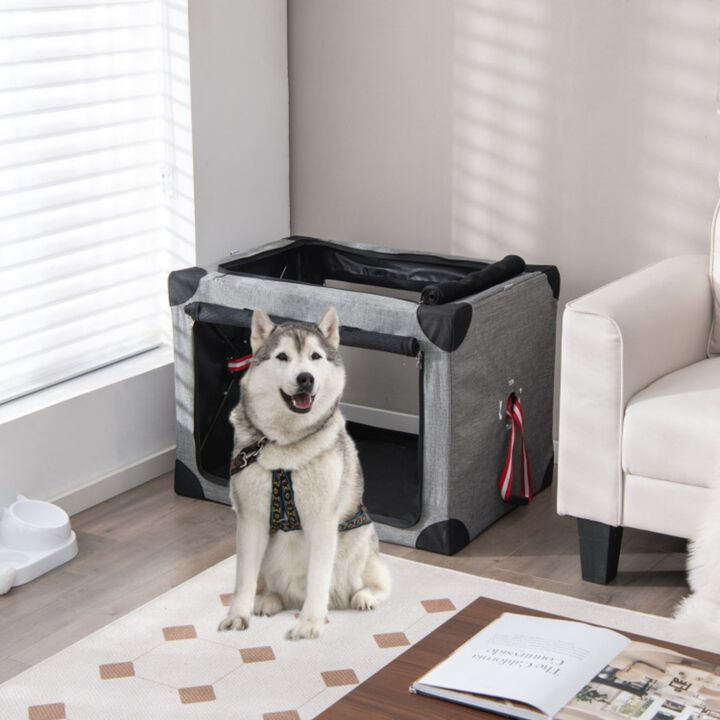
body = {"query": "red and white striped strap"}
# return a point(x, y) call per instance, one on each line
point(237, 365)
point(515, 414)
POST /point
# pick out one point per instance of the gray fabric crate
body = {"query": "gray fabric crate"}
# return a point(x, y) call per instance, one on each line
point(474, 352)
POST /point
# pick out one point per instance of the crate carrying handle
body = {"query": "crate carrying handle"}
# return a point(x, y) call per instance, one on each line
point(439, 293)
point(514, 413)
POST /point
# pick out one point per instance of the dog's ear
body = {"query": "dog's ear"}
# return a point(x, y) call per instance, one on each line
point(260, 327)
point(329, 326)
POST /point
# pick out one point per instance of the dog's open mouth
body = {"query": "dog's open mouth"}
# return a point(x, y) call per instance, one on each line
point(300, 403)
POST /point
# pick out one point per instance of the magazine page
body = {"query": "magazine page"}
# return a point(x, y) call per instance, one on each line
point(646, 682)
point(537, 661)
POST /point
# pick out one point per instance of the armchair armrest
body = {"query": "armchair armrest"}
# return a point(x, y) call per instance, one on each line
point(616, 341)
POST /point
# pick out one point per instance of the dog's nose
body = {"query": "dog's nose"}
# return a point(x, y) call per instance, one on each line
point(304, 381)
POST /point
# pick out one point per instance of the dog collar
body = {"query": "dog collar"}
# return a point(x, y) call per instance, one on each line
point(247, 456)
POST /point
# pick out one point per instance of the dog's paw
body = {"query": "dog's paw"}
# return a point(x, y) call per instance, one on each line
point(234, 622)
point(363, 600)
point(304, 629)
point(267, 605)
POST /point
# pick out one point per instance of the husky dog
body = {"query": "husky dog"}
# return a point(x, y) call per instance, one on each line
point(697, 618)
point(288, 424)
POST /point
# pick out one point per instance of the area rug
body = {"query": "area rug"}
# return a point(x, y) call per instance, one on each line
point(167, 659)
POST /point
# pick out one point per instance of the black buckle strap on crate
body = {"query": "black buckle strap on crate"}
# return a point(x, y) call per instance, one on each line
point(514, 413)
point(444, 292)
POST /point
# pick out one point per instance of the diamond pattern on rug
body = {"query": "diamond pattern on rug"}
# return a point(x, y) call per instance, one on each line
point(110, 671)
point(54, 711)
point(257, 654)
point(303, 680)
point(439, 605)
point(199, 693)
point(391, 639)
point(333, 678)
point(180, 632)
point(188, 664)
point(226, 599)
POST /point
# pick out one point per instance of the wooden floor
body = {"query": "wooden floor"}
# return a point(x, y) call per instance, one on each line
point(148, 540)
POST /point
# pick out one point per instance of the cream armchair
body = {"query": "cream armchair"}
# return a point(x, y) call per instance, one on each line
point(639, 436)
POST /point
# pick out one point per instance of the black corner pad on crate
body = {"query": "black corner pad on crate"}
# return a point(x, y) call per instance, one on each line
point(186, 483)
point(446, 537)
point(445, 325)
point(552, 275)
point(182, 284)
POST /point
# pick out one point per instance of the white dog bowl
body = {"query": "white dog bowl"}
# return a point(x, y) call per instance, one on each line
point(35, 537)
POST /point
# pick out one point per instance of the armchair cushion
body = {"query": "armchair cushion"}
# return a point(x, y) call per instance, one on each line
point(671, 428)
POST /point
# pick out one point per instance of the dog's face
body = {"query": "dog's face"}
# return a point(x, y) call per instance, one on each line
point(296, 378)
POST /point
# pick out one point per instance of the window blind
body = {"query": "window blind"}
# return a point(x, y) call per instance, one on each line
point(96, 188)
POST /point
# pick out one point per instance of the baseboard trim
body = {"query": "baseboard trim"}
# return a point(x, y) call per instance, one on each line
point(381, 418)
point(117, 482)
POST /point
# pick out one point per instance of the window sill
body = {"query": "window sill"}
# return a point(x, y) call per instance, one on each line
point(109, 375)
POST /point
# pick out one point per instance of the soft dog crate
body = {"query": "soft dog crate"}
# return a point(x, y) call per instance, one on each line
point(431, 479)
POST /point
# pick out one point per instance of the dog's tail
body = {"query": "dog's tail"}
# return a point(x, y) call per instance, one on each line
point(697, 621)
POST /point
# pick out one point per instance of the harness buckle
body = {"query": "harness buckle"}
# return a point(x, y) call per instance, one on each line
point(245, 456)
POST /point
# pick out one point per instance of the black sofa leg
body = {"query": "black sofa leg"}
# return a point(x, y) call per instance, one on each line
point(599, 550)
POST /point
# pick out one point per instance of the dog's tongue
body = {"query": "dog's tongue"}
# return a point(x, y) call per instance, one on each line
point(302, 401)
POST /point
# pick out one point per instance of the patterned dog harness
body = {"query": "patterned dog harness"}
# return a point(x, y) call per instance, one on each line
point(283, 513)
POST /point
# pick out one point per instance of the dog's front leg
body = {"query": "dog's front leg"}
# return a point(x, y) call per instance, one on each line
point(252, 540)
point(322, 543)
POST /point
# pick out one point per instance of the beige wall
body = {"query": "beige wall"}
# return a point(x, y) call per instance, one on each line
point(582, 133)
point(238, 71)
point(578, 132)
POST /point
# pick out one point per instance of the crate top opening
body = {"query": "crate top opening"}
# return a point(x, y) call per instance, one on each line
point(438, 279)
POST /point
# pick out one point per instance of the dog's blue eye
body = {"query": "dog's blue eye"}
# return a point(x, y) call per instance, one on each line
point(282, 356)
point(316, 356)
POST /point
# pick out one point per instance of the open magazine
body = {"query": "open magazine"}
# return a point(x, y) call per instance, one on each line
point(536, 668)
